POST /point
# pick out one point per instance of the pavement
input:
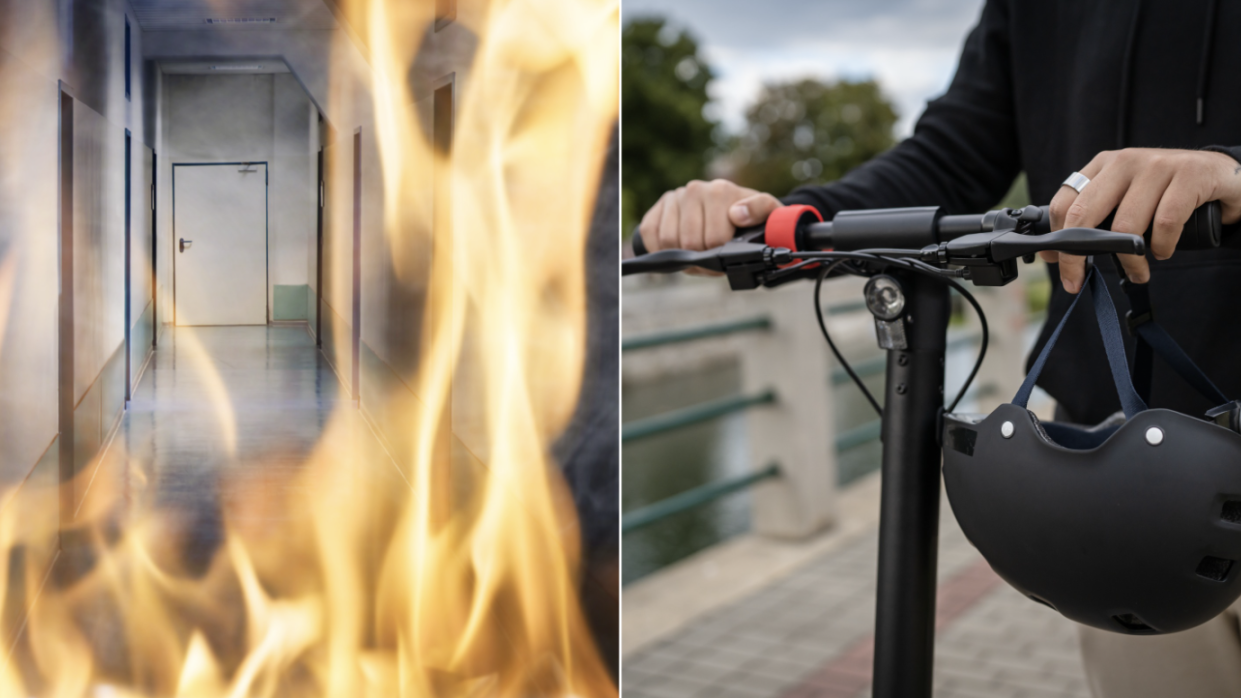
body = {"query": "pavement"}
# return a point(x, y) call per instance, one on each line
point(806, 630)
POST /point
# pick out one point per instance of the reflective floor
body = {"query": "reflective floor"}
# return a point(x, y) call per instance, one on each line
point(243, 521)
point(220, 425)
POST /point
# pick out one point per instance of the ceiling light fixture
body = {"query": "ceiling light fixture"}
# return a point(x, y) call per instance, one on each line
point(241, 20)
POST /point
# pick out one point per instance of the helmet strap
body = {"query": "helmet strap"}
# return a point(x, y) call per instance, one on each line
point(1152, 340)
point(1113, 344)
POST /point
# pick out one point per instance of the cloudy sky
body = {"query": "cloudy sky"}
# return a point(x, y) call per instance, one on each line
point(909, 46)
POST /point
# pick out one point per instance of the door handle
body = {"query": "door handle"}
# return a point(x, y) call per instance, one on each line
point(185, 244)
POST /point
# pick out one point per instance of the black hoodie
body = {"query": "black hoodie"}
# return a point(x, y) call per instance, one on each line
point(1043, 86)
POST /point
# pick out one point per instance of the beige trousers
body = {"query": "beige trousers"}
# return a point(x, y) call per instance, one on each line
point(1203, 662)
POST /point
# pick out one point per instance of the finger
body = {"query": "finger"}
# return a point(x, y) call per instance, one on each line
point(753, 210)
point(669, 234)
point(1137, 206)
point(719, 229)
point(1177, 204)
point(692, 230)
point(1060, 206)
point(1072, 271)
point(1066, 195)
point(648, 228)
point(1134, 215)
point(1136, 267)
point(1049, 256)
point(1103, 194)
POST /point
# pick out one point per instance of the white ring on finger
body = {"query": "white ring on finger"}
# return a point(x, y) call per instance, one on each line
point(1077, 181)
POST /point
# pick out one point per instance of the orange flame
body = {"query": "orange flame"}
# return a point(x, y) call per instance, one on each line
point(465, 582)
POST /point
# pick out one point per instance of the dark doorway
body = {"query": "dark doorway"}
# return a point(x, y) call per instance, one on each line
point(154, 254)
point(442, 125)
point(129, 320)
point(357, 266)
point(65, 320)
point(319, 244)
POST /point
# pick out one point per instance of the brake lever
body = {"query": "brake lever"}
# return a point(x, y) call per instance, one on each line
point(669, 261)
point(740, 259)
point(1081, 241)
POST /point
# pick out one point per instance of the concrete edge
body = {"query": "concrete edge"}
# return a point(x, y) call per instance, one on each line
point(662, 603)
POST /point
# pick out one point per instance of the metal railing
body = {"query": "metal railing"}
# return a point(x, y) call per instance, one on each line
point(679, 419)
point(677, 336)
point(688, 416)
point(775, 390)
point(696, 414)
point(693, 498)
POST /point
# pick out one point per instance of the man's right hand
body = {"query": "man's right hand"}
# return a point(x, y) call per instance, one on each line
point(702, 215)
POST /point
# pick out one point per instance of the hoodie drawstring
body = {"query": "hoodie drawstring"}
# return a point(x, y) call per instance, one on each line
point(1204, 66)
point(1126, 70)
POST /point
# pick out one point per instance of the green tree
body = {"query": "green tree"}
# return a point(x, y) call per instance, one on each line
point(663, 92)
point(808, 131)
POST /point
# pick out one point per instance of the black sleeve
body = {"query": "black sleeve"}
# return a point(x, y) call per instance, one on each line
point(1234, 152)
point(964, 153)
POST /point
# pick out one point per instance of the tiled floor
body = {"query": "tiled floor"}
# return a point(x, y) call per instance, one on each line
point(809, 636)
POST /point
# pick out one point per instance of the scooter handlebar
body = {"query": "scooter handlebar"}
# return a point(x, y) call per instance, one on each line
point(1203, 231)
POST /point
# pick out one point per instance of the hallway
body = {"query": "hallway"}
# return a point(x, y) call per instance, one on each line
point(250, 441)
point(221, 429)
point(226, 416)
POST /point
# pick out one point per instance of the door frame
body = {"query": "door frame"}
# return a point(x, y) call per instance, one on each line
point(356, 340)
point(65, 311)
point(172, 248)
point(154, 249)
point(129, 262)
point(321, 189)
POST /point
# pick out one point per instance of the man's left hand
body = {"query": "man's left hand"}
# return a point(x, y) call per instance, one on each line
point(1143, 185)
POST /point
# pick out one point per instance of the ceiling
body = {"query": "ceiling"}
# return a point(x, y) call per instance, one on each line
point(232, 15)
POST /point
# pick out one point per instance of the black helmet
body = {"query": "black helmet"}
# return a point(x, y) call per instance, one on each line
point(1133, 525)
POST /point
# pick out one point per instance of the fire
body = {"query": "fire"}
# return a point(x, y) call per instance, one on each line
point(462, 581)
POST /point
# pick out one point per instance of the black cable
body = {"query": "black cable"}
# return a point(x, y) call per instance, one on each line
point(918, 267)
point(935, 273)
point(818, 313)
point(982, 347)
point(894, 252)
point(804, 264)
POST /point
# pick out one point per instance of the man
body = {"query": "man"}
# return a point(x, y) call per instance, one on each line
point(1140, 97)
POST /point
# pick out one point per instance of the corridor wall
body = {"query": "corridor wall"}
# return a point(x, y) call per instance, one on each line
point(48, 48)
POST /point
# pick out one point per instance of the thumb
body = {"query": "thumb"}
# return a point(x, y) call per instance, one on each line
point(753, 210)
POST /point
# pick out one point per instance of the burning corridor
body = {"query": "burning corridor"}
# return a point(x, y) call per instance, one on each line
point(308, 355)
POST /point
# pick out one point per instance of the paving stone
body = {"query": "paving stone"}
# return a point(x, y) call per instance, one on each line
point(676, 687)
point(770, 642)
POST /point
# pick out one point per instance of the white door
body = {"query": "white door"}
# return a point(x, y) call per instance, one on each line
point(220, 244)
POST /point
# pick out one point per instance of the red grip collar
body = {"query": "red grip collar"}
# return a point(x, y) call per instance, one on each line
point(781, 229)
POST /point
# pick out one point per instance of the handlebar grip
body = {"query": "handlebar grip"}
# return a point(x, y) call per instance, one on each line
point(639, 247)
point(1203, 231)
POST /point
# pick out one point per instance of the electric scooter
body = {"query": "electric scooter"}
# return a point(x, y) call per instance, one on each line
point(912, 257)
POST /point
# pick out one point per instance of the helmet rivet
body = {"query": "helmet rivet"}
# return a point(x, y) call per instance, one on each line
point(1154, 436)
point(1007, 429)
